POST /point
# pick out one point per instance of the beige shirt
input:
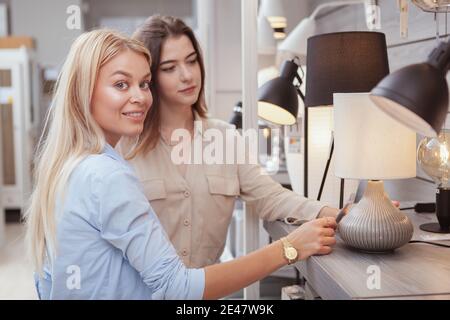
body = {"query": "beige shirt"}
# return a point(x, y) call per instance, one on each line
point(196, 209)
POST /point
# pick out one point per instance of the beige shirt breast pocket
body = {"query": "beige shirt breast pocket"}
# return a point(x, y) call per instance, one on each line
point(154, 189)
point(223, 185)
point(223, 191)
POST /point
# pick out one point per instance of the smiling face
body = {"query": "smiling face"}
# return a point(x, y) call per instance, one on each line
point(179, 73)
point(122, 96)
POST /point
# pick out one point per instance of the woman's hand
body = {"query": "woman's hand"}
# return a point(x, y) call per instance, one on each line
point(314, 237)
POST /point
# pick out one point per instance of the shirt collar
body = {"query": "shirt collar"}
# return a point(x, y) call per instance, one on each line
point(111, 152)
point(199, 130)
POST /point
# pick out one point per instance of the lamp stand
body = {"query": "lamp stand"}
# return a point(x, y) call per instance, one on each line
point(442, 213)
point(375, 224)
point(305, 152)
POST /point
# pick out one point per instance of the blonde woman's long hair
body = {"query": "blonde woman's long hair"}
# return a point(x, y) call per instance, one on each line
point(70, 134)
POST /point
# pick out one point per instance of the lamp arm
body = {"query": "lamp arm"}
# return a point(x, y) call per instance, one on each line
point(300, 93)
point(334, 4)
point(325, 172)
point(300, 81)
point(440, 57)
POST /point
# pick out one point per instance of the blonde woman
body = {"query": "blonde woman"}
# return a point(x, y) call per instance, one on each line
point(91, 232)
point(195, 202)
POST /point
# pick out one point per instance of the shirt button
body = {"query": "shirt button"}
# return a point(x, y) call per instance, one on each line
point(186, 222)
point(184, 252)
point(187, 194)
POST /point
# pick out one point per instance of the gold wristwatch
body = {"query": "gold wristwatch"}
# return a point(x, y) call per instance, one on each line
point(290, 253)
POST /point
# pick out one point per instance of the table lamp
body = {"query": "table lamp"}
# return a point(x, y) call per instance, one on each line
point(371, 145)
point(433, 155)
point(337, 62)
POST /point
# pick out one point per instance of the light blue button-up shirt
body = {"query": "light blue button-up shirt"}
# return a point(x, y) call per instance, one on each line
point(110, 244)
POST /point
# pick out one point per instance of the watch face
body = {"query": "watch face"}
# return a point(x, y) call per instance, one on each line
point(291, 253)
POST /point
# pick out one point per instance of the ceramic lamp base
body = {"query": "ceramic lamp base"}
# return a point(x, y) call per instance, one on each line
point(375, 224)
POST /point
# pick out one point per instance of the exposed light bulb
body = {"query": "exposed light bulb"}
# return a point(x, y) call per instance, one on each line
point(433, 155)
point(444, 154)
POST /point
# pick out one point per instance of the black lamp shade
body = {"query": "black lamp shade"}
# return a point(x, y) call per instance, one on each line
point(236, 118)
point(344, 62)
point(277, 98)
point(416, 95)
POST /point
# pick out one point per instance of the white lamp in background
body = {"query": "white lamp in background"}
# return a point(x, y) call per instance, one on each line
point(371, 145)
point(266, 42)
point(296, 41)
point(267, 74)
point(273, 11)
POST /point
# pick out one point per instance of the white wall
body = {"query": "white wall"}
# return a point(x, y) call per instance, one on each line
point(225, 56)
point(98, 9)
point(45, 21)
point(8, 24)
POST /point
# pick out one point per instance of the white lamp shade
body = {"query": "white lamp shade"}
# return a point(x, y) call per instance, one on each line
point(369, 144)
point(296, 41)
point(266, 41)
point(267, 74)
point(273, 10)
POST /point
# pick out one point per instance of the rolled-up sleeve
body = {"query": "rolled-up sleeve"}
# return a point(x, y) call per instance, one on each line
point(128, 222)
point(268, 198)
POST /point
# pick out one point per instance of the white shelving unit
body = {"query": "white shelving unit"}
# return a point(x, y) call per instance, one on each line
point(19, 117)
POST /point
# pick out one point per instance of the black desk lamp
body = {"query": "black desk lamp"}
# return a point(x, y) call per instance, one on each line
point(417, 96)
point(236, 118)
point(277, 98)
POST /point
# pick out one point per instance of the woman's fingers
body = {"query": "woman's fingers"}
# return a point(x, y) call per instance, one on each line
point(328, 241)
point(314, 237)
point(328, 222)
point(325, 250)
point(328, 232)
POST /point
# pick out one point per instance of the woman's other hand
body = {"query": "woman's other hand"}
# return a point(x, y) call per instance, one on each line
point(314, 237)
